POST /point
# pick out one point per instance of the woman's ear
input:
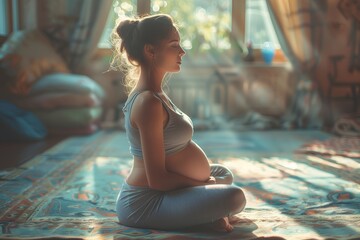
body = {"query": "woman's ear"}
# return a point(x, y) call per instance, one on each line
point(149, 51)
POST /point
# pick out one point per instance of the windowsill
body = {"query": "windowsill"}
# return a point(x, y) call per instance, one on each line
point(238, 69)
point(279, 60)
point(262, 64)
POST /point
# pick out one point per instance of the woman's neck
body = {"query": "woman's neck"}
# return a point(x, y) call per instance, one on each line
point(150, 80)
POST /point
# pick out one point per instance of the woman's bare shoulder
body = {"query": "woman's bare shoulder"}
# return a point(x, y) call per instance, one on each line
point(148, 98)
point(147, 104)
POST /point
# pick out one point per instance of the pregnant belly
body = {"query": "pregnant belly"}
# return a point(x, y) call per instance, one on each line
point(190, 162)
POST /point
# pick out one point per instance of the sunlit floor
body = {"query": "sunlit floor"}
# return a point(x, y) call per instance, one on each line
point(256, 141)
point(70, 190)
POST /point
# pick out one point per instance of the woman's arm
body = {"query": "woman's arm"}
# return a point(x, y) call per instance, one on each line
point(148, 117)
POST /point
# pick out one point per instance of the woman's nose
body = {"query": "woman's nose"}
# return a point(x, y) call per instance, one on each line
point(182, 52)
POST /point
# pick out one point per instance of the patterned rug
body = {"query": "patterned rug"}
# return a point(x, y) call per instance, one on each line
point(336, 146)
point(70, 190)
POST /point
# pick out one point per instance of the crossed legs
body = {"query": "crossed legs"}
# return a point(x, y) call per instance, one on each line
point(181, 208)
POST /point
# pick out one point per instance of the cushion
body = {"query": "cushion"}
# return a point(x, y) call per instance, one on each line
point(24, 58)
point(69, 83)
point(48, 101)
point(69, 117)
point(18, 124)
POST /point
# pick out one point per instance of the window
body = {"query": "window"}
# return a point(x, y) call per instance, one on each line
point(9, 21)
point(258, 25)
point(121, 9)
point(212, 21)
point(3, 18)
point(204, 25)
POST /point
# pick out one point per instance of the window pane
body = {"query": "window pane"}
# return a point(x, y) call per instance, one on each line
point(3, 18)
point(258, 27)
point(120, 10)
point(204, 25)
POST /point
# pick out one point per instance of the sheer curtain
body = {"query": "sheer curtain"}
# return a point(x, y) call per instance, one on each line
point(299, 27)
point(74, 26)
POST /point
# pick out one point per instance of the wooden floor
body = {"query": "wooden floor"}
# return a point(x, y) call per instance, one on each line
point(13, 154)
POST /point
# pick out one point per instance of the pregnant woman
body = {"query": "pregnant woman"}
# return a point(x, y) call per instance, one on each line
point(171, 184)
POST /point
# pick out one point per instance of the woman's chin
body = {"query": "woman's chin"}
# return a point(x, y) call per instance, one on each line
point(176, 69)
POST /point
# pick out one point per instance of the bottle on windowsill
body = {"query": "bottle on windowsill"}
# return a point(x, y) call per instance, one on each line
point(250, 56)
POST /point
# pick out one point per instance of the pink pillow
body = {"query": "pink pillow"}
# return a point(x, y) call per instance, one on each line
point(26, 56)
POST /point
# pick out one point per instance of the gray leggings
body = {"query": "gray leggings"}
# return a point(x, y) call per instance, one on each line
point(143, 207)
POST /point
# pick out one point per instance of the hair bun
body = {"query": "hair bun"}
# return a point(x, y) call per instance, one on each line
point(126, 28)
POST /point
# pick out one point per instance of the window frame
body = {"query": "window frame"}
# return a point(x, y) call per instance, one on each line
point(238, 29)
point(9, 11)
point(142, 8)
point(238, 18)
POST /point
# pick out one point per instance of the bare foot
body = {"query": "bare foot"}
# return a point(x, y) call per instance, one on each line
point(222, 225)
point(234, 219)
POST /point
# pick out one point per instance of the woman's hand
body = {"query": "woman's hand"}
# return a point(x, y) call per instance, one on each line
point(211, 180)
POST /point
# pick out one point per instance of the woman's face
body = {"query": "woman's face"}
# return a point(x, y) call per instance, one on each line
point(169, 54)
